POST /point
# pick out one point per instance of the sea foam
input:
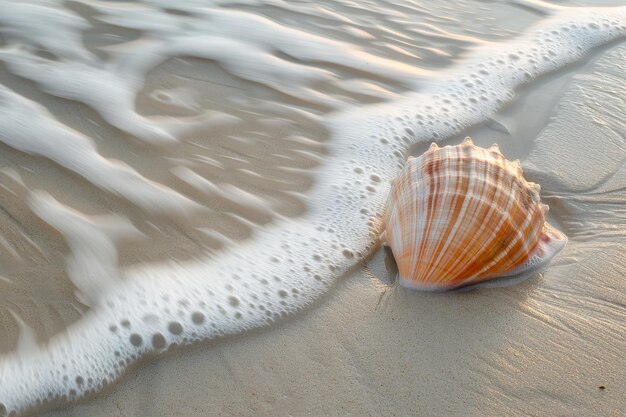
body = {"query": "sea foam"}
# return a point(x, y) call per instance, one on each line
point(285, 267)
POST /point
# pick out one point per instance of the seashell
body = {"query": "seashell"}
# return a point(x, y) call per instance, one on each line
point(459, 215)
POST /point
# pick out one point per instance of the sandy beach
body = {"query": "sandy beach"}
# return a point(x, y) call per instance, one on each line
point(541, 347)
point(254, 146)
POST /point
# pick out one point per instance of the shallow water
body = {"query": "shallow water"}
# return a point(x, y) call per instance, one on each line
point(173, 173)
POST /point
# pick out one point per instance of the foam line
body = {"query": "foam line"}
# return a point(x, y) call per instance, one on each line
point(29, 127)
point(92, 265)
point(36, 21)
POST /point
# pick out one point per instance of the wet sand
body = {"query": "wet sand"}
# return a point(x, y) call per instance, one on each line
point(550, 345)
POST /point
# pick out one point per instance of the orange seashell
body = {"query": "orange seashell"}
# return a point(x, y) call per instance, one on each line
point(459, 215)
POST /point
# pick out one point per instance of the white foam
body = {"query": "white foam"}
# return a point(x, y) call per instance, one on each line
point(27, 341)
point(29, 127)
point(92, 265)
point(285, 268)
point(46, 24)
point(236, 198)
point(110, 88)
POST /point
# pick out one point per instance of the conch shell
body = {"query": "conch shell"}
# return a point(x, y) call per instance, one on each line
point(459, 215)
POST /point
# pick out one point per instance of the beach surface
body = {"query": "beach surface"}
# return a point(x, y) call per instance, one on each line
point(198, 153)
point(549, 345)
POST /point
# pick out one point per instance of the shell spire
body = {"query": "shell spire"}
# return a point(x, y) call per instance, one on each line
point(462, 214)
point(517, 166)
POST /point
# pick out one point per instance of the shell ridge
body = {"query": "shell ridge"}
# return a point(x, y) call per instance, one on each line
point(490, 258)
point(544, 251)
point(478, 165)
point(478, 171)
point(419, 217)
point(429, 211)
point(470, 252)
point(458, 215)
point(483, 235)
point(414, 193)
point(497, 263)
point(397, 207)
point(448, 220)
point(497, 253)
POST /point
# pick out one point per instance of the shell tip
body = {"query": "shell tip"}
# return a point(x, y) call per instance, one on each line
point(468, 141)
point(433, 147)
point(535, 187)
point(383, 238)
point(494, 148)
